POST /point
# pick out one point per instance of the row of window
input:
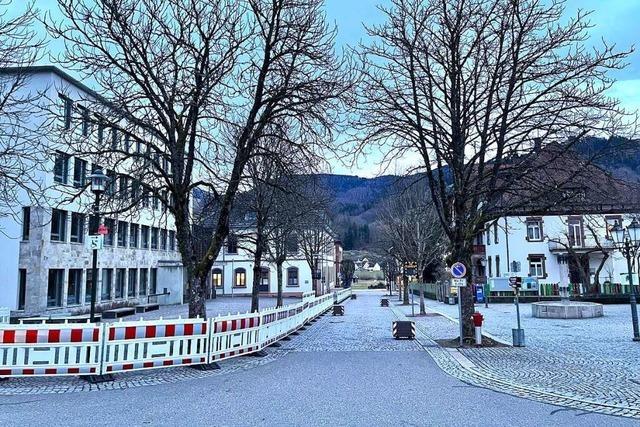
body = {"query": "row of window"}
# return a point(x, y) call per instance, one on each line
point(119, 140)
point(291, 244)
point(118, 283)
point(240, 277)
point(124, 234)
point(119, 185)
point(536, 266)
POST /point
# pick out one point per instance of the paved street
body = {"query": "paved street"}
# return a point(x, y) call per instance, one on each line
point(340, 371)
point(589, 360)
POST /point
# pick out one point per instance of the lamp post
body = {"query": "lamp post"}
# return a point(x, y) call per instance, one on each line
point(627, 239)
point(98, 184)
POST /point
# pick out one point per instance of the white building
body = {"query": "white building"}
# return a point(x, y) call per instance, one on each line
point(551, 250)
point(232, 272)
point(45, 264)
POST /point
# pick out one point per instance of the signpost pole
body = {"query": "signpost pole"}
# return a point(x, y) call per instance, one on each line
point(413, 308)
point(460, 318)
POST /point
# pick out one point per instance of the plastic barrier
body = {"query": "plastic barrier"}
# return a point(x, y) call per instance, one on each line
point(131, 346)
point(50, 349)
point(234, 335)
point(75, 349)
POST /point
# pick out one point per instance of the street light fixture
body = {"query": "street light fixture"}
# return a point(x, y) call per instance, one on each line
point(627, 240)
point(98, 185)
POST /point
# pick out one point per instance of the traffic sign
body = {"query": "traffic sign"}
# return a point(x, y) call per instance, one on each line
point(95, 242)
point(102, 229)
point(515, 281)
point(458, 270)
point(459, 283)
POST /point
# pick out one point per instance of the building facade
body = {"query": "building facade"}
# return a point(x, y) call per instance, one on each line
point(46, 263)
point(551, 250)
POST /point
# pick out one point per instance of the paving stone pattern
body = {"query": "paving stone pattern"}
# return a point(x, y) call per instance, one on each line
point(584, 364)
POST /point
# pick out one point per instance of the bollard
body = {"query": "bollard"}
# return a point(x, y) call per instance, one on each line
point(477, 323)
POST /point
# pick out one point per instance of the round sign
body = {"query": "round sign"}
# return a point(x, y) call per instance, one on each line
point(102, 229)
point(458, 270)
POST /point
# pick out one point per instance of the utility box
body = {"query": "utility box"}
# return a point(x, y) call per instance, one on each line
point(338, 310)
point(403, 329)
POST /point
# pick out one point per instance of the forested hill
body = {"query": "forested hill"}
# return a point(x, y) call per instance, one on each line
point(356, 200)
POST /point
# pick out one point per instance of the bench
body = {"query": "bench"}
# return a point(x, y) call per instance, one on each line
point(384, 302)
point(116, 313)
point(143, 308)
point(403, 329)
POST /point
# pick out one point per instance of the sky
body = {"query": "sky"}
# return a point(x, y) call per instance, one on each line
point(615, 21)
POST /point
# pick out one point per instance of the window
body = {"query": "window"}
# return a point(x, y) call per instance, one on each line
point(86, 122)
point(100, 132)
point(216, 278)
point(292, 276)
point(133, 281)
point(479, 240)
point(120, 280)
point(232, 244)
point(154, 238)
point(79, 172)
point(145, 198)
point(22, 287)
point(54, 288)
point(172, 240)
point(67, 108)
point(115, 139)
point(61, 168)
point(534, 229)
point(122, 234)
point(144, 237)
point(110, 190)
point(497, 266)
point(490, 266)
point(77, 227)
point(488, 235)
point(495, 232)
point(163, 239)
point(88, 285)
point(536, 266)
point(144, 280)
point(138, 146)
point(127, 142)
point(123, 186)
point(135, 190)
point(164, 201)
point(107, 284)
point(74, 286)
point(111, 228)
point(153, 281)
point(575, 232)
point(155, 202)
point(26, 222)
point(58, 225)
point(264, 278)
point(240, 280)
point(133, 236)
point(292, 244)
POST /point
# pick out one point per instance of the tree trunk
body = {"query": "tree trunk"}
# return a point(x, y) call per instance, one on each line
point(198, 296)
point(423, 310)
point(596, 279)
point(279, 302)
point(255, 289)
point(405, 289)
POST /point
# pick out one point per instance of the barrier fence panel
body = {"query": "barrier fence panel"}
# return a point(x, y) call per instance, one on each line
point(234, 335)
point(73, 349)
point(131, 346)
point(50, 349)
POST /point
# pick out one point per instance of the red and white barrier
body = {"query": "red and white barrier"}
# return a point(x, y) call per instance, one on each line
point(234, 335)
point(50, 349)
point(131, 346)
point(77, 349)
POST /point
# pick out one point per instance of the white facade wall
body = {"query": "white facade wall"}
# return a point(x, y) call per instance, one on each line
point(39, 254)
point(513, 245)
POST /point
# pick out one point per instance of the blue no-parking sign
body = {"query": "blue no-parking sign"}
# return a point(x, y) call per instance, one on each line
point(458, 270)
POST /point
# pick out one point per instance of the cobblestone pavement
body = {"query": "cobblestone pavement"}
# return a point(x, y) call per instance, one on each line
point(340, 371)
point(588, 364)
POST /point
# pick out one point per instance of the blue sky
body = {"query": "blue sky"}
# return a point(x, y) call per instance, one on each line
point(616, 21)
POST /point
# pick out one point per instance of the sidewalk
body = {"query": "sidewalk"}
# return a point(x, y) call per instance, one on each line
point(592, 361)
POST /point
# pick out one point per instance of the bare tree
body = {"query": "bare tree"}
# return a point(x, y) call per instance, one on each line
point(200, 83)
point(488, 94)
point(409, 225)
point(21, 153)
point(348, 270)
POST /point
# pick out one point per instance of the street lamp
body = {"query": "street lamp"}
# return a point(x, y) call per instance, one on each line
point(627, 240)
point(98, 184)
